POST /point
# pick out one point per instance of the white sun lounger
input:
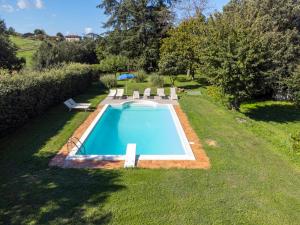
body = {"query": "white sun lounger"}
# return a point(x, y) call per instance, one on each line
point(130, 156)
point(120, 93)
point(71, 104)
point(112, 93)
point(136, 95)
point(173, 94)
point(82, 104)
point(147, 93)
point(161, 92)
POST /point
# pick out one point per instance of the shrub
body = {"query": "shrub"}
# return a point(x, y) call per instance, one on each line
point(296, 143)
point(108, 81)
point(114, 64)
point(25, 96)
point(157, 81)
point(141, 77)
point(217, 95)
point(3, 73)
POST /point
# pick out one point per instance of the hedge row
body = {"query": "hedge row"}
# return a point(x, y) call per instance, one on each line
point(25, 96)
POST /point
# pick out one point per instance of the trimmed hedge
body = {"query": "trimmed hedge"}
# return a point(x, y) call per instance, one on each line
point(25, 96)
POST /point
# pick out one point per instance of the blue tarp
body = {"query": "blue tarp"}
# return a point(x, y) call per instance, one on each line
point(126, 76)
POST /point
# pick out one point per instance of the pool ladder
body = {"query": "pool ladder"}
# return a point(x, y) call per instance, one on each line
point(74, 141)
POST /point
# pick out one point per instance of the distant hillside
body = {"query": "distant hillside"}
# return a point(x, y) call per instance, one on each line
point(27, 48)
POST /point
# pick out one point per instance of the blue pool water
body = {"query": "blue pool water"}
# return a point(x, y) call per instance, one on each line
point(151, 128)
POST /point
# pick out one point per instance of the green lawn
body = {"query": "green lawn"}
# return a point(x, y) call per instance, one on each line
point(252, 179)
point(276, 122)
point(27, 48)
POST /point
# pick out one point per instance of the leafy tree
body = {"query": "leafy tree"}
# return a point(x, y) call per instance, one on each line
point(234, 59)
point(60, 36)
point(137, 27)
point(101, 49)
point(278, 23)
point(2, 27)
point(88, 49)
point(293, 84)
point(250, 49)
point(114, 64)
point(8, 58)
point(177, 53)
point(39, 32)
point(11, 31)
point(54, 53)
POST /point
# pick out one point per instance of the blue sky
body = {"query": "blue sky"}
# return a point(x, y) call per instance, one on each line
point(66, 16)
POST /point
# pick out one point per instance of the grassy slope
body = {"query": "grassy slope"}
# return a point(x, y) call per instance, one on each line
point(276, 122)
point(27, 48)
point(249, 183)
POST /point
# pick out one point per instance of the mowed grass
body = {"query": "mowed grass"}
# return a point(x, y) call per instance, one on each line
point(26, 48)
point(276, 122)
point(250, 182)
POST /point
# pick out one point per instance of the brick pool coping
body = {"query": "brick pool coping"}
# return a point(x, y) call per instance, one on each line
point(201, 162)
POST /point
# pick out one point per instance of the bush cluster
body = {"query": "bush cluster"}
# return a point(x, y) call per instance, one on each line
point(218, 95)
point(141, 76)
point(108, 81)
point(25, 96)
point(157, 81)
point(114, 64)
point(4, 72)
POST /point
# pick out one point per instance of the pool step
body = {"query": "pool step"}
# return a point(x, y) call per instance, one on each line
point(130, 156)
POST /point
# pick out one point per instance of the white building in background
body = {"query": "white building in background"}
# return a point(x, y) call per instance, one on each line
point(72, 38)
point(92, 36)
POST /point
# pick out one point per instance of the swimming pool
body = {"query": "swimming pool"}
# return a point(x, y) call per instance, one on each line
point(154, 128)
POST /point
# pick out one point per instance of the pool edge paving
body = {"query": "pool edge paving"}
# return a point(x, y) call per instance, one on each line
point(202, 161)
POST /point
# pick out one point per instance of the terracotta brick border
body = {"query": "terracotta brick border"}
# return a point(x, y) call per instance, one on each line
point(201, 162)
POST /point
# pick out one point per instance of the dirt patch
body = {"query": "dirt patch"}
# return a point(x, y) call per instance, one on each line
point(211, 142)
point(241, 120)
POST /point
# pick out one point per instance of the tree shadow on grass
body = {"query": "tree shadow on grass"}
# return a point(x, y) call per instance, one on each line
point(58, 196)
point(93, 91)
point(31, 192)
point(189, 86)
point(280, 113)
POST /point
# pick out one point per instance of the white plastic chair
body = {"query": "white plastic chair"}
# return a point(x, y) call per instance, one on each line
point(71, 104)
point(136, 95)
point(147, 93)
point(120, 93)
point(173, 94)
point(161, 92)
point(112, 93)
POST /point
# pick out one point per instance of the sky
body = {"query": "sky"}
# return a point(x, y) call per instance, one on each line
point(66, 16)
